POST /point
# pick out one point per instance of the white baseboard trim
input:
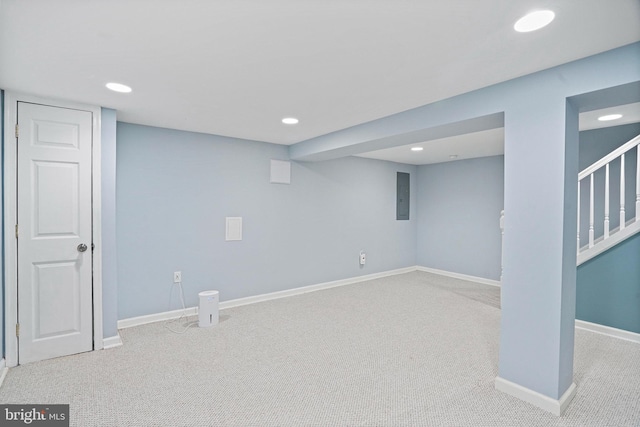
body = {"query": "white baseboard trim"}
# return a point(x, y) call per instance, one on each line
point(556, 407)
point(608, 330)
point(156, 317)
point(112, 342)
point(580, 324)
point(459, 276)
point(190, 311)
point(3, 371)
point(311, 288)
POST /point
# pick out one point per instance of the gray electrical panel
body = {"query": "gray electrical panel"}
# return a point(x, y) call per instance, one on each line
point(402, 196)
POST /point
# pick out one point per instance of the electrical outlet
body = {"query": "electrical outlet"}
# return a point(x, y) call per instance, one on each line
point(177, 276)
point(363, 258)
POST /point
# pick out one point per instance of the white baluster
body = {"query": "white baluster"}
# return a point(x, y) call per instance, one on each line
point(606, 201)
point(622, 214)
point(591, 211)
point(638, 184)
point(578, 247)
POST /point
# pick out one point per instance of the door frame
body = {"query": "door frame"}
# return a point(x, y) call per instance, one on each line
point(11, 100)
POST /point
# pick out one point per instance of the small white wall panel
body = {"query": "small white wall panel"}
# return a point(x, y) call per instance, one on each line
point(280, 172)
point(234, 228)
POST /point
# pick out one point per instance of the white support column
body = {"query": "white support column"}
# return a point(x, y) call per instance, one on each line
point(537, 320)
point(622, 201)
point(591, 221)
point(606, 202)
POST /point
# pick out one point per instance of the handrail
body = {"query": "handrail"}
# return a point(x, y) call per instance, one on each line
point(609, 157)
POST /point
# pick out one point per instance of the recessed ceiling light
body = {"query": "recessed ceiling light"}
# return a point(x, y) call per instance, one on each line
point(118, 87)
point(534, 21)
point(417, 148)
point(290, 121)
point(453, 156)
point(609, 117)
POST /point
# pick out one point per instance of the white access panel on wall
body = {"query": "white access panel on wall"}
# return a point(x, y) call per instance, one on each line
point(234, 228)
point(280, 172)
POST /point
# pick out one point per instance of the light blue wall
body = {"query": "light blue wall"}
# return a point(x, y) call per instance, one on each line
point(597, 143)
point(174, 190)
point(459, 206)
point(109, 258)
point(609, 287)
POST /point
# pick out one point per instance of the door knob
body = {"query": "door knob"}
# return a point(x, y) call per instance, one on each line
point(82, 247)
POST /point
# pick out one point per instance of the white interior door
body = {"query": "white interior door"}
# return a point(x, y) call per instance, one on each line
point(54, 216)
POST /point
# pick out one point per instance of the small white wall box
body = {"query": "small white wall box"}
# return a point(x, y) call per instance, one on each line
point(233, 228)
point(280, 172)
point(208, 309)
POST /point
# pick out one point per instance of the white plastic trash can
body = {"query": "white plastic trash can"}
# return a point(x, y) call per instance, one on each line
point(208, 309)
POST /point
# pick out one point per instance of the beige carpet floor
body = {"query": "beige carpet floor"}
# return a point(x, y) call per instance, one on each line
point(410, 350)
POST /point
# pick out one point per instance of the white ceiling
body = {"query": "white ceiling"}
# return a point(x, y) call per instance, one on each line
point(237, 67)
point(630, 114)
point(489, 142)
point(467, 146)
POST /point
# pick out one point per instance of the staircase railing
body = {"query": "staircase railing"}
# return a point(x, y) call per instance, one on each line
point(587, 178)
